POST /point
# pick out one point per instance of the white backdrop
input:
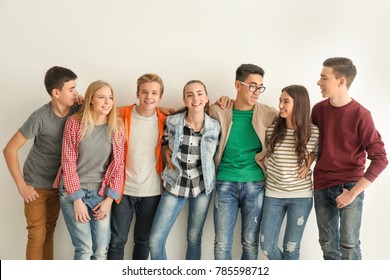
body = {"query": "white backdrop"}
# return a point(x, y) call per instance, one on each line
point(181, 40)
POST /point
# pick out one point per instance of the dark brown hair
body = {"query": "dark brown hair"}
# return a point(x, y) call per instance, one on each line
point(300, 121)
point(342, 67)
point(56, 77)
point(244, 70)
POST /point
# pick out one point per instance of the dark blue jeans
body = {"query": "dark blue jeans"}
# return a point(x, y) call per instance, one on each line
point(339, 229)
point(122, 214)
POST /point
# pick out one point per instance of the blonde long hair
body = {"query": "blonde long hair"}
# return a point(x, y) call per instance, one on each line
point(84, 115)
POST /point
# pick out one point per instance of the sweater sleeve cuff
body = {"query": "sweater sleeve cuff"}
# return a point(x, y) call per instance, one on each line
point(76, 195)
point(370, 177)
point(109, 192)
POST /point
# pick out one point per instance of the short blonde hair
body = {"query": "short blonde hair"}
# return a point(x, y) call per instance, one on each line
point(150, 77)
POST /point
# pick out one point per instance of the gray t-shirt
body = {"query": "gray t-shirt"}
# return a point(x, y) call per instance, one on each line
point(94, 157)
point(44, 158)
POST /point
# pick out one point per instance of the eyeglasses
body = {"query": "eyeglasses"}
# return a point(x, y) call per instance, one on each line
point(253, 88)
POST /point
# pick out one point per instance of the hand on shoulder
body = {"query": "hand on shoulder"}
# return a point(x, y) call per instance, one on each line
point(224, 102)
point(167, 110)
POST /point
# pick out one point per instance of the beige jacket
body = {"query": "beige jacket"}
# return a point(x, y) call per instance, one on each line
point(263, 117)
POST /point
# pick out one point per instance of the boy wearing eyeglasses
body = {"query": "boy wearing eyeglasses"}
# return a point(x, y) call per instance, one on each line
point(240, 172)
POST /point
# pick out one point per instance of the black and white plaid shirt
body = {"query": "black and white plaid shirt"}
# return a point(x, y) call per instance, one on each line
point(190, 163)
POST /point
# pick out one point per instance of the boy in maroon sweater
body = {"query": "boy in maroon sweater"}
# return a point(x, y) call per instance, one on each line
point(347, 137)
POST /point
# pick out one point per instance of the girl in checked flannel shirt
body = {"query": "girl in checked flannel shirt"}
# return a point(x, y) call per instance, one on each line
point(189, 176)
point(92, 171)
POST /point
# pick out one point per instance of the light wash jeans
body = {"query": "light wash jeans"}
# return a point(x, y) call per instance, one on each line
point(89, 239)
point(339, 229)
point(167, 212)
point(229, 198)
point(274, 211)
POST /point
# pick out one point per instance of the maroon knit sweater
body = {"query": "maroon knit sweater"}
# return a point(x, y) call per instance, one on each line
point(347, 137)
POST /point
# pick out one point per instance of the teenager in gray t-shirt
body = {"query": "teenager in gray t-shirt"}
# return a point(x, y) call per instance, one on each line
point(45, 126)
point(44, 158)
point(92, 171)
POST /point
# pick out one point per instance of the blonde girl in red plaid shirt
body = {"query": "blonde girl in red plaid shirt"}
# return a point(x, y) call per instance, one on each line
point(92, 171)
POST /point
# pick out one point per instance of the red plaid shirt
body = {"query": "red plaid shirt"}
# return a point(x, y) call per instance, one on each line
point(114, 176)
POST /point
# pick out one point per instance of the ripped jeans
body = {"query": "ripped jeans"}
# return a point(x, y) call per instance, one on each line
point(229, 198)
point(274, 211)
point(339, 229)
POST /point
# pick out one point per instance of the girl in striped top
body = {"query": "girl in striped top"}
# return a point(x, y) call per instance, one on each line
point(293, 144)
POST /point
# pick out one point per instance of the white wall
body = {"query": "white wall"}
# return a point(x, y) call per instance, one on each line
point(181, 40)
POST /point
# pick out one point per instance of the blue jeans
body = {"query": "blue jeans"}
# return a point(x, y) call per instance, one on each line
point(229, 197)
point(274, 211)
point(122, 214)
point(339, 229)
point(89, 239)
point(167, 212)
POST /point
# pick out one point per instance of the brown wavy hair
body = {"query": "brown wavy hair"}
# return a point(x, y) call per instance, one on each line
point(300, 120)
point(185, 109)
